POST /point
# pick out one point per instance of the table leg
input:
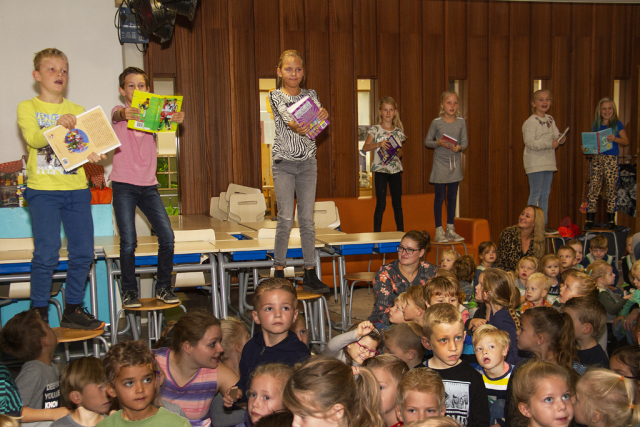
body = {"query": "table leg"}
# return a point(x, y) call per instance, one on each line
point(113, 325)
point(343, 293)
point(93, 292)
point(223, 287)
point(214, 285)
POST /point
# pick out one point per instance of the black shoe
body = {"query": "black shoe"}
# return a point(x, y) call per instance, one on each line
point(588, 225)
point(611, 221)
point(80, 318)
point(44, 313)
point(311, 283)
point(167, 296)
point(130, 300)
point(278, 273)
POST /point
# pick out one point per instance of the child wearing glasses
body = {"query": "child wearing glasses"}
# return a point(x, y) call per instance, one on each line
point(396, 277)
point(362, 342)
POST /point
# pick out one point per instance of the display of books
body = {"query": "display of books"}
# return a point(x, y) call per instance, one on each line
point(306, 112)
point(155, 112)
point(386, 155)
point(93, 134)
point(596, 142)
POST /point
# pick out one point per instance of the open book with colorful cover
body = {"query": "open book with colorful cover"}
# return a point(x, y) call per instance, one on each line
point(306, 112)
point(93, 134)
point(387, 154)
point(155, 112)
point(596, 142)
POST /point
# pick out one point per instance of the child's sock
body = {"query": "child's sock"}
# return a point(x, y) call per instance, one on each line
point(70, 308)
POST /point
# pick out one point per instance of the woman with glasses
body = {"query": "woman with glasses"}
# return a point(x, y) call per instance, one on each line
point(362, 342)
point(394, 278)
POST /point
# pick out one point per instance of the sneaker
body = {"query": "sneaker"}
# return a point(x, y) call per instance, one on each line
point(311, 283)
point(548, 231)
point(80, 318)
point(167, 296)
point(452, 235)
point(130, 300)
point(441, 237)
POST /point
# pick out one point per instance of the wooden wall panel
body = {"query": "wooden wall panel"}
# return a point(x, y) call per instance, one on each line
point(291, 25)
point(434, 80)
point(266, 15)
point(388, 42)
point(456, 40)
point(541, 35)
point(162, 57)
point(476, 158)
point(343, 99)
point(603, 53)
point(364, 36)
point(411, 94)
point(318, 78)
point(622, 38)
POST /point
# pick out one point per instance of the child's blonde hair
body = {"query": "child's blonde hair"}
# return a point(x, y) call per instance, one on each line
point(320, 383)
point(611, 396)
point(532, 260)
point(78, 374)
point(277, 371)
point(543, 281)
point(415, 294)
point(536, 93)
point(586, 285)
point(451, 253)
point(395, 366)
point(401, 299)
point(7, 421)
point(439, 314)
point(589, 310)
point(545, 260)
point(598, 269)
point(486, 330)
point(433, 422)
point(407, 336)
point(396, 118)
point(597, 120)
point(422, 380)
point(501, 291)
point(47, 53)
point(443, 97)
point(271, 284)
point(233, 330)
point(285, 55)
point(529, 376)
point(635, 268)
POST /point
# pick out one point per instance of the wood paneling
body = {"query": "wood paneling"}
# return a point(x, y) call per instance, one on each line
point(388, 30)
point(603, 53)
point(541, 35)
point(364, 39)
point(267, 37)
point(456, 40)
point(291, 25)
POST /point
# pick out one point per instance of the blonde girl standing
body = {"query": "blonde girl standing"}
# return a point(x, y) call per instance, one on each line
point(295, 168)
point(446, 172)
point(604, 167)
point(540, 135)
point(389, 125)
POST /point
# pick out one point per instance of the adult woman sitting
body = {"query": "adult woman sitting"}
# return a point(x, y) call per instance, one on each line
point(192, 372)
point(394, 278)
point(524, 239)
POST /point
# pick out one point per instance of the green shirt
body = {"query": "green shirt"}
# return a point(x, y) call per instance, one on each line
point(162, 418)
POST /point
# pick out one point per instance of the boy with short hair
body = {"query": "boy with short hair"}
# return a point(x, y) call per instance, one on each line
point(536, 292)
point(491, 346)
point(589, 318)
point(415, 303)
point(464, 269)
point(405, 341)
point(421, 394)
point(578, 247)
point(598, 247)
point(132, 374)
point(56, 196)
point(84, 388)
point(388, 370)
point(27, 338)
point(444, 334)
point(567, 257)
point(134, 185)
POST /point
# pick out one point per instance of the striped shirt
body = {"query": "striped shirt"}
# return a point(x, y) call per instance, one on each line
point(195, 396)
point(287, 144)
point(496, 387)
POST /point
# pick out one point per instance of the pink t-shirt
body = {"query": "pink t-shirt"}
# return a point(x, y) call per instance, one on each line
point(135, 161)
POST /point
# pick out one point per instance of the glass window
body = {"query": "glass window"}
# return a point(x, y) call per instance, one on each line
point(367, 113)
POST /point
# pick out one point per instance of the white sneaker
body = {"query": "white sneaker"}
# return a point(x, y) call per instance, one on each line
point(452, 235)
point(441, 237)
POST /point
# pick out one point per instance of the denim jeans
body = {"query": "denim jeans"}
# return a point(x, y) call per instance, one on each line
point(48, 209)
point(539, 190)
point(126, 197)
point(452, 199)
point(299, 177)
point(395, 187)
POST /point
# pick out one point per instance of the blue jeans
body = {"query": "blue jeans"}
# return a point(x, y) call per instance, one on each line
point(48, 209)
point(291, 177)
point(539, 190)
point(126, 197)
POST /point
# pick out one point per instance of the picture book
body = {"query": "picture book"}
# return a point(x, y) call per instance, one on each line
point(93, 134)
point(596, 142)
point(306, 112)
point(155, 112)
point(451, 140)
point(389, 153)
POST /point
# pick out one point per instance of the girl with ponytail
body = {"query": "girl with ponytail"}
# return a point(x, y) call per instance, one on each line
point(325, 392)
point(502, 298)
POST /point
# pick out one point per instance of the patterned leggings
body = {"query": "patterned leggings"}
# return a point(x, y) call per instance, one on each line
point(603, 168)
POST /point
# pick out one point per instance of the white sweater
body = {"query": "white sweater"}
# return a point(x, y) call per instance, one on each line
point(538, 134)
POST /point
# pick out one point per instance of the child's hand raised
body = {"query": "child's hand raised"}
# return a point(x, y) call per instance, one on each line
point(129, 113)
point(364, 329)
point(233, 394)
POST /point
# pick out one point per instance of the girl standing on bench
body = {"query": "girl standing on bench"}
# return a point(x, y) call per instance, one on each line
point(294, 168)
point(380, 138)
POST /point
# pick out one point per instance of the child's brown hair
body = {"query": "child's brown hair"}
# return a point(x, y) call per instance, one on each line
point(485, 246)
point(278, 371)
point(191, 328)
point(271, 284)
point(439, 314)
point(395, 366)
point(585, 285)
point(440, 286)
point(80, 373)
point(422, 380)
point(589, 310)
point(501, 291)
point(558, 328)
point(47, 53)
point(127, 354)
point(415, 294)
point(132, 70)
point(545, 260)
point(374, 334)
point(567, 248)
point(599, 242)
point(407, 336)
point(288, 54)
point(464, 268)
point(22, 335)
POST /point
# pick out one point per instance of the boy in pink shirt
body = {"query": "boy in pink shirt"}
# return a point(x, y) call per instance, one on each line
point(135, 185)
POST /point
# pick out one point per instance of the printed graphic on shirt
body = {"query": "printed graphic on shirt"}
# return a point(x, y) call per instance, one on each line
point(46, 159)
point(51, 396)
point(457, 398)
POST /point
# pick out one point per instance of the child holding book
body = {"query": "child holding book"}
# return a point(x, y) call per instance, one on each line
point(390, 172)
point(448, 137)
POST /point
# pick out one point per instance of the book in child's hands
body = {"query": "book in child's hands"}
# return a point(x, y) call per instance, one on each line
point(596, 142)
point(390, 152)
point(306, 112)
point(93, 134)
point(155, 112)
point(451, 140)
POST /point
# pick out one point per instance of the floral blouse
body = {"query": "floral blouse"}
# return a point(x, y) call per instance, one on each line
point(390, 283)
point(379, 134)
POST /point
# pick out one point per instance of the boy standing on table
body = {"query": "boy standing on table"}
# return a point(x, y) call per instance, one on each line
point(134, 185)
point(56, 196)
